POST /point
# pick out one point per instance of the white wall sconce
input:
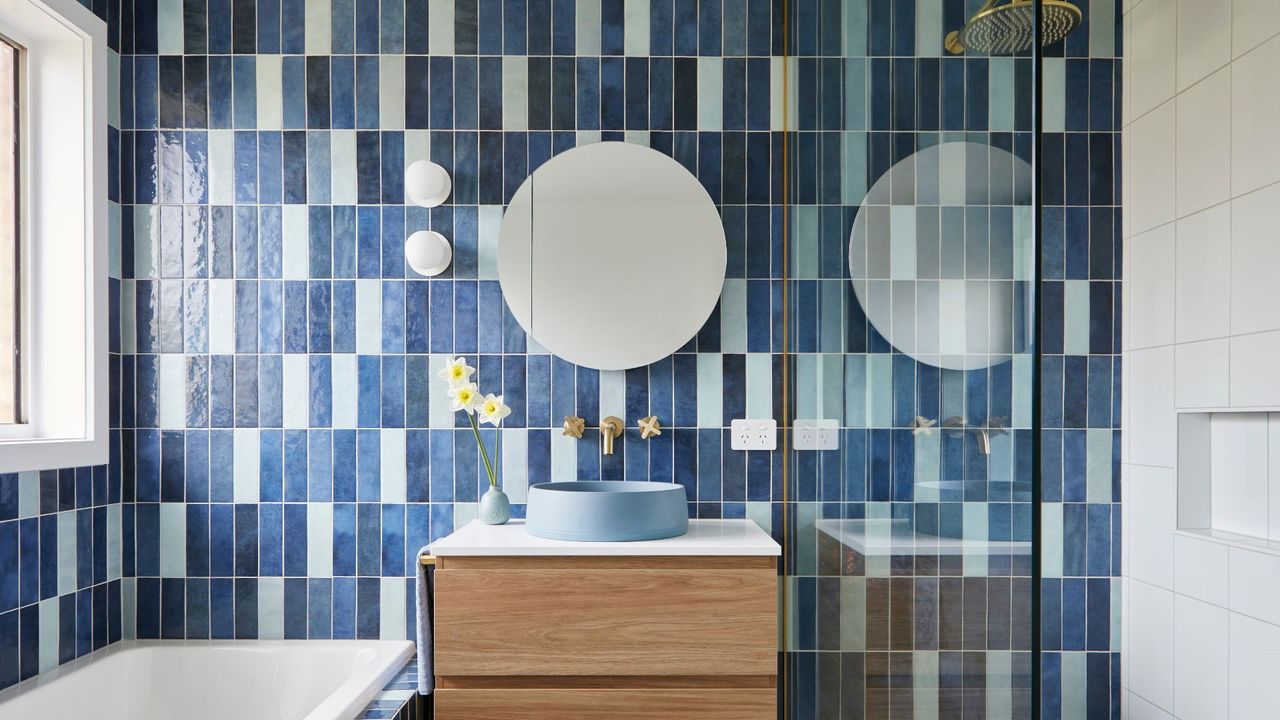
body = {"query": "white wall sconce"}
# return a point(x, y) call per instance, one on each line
point(428, 185)
point(428, 252)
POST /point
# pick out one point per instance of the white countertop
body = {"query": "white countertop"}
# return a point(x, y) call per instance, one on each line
point(895, 537)
point(705, 538)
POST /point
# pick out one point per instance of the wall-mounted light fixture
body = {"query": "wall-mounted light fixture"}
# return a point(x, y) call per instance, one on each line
point(428, 252)
point(428, 185)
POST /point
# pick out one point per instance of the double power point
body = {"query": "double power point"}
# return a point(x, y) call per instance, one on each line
point(763, 434)
point(754, 434)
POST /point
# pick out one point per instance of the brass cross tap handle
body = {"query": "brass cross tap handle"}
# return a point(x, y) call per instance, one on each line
point(574, 427)
point(649, 427)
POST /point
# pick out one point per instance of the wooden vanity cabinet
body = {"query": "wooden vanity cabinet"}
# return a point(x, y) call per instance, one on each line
point(637, 638)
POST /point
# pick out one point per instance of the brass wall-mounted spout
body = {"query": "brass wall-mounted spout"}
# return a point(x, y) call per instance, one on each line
point(610, 428)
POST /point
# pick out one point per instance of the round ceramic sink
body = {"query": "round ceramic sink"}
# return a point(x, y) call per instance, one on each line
point(607, 510)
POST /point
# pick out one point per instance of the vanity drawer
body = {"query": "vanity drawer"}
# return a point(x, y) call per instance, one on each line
point(609, 616)
point(620, 704)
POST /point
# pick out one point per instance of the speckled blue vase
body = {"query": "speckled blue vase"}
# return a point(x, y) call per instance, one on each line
point(495, 508)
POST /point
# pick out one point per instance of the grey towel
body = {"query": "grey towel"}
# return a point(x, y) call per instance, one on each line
point(426, 649)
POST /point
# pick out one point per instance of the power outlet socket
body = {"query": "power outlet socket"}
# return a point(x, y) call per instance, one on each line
point(754, 434)
point(816, 434)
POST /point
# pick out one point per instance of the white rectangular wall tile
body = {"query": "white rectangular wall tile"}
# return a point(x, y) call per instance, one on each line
point(1254, 380)
point(1255, 119)
point(1255, 584)
point(1200, 569)
point(1150, 172)
point(1204, 144)
point(1200, 639)
point(1254, 659)
point(1255, 261)
point(1203, 40)
point(1150, 532)
point(1150, 647)
point(1155, 28)
point(1202, 369)
point(1203, 287)
point(1151, 428)
point(1253, 21)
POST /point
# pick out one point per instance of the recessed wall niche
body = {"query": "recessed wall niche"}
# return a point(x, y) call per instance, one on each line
point(1229, 474)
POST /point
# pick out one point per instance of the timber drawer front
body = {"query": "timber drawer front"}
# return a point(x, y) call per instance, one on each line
point(603, 636)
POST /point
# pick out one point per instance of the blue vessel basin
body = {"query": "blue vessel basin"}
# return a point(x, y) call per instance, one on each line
point(605, 510)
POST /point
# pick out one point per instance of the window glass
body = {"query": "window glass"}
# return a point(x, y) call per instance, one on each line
point(10, 407)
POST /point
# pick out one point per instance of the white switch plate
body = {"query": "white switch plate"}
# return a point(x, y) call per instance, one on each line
point(816, 434)
point(754, 434)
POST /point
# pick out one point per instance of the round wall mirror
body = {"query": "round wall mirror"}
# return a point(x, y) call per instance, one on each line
point(940, 255)
point(611, 255)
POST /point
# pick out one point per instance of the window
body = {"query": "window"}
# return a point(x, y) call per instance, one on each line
point(10, 260)
point(53, 236)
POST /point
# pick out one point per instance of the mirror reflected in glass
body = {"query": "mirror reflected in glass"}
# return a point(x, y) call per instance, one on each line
point(940, 255)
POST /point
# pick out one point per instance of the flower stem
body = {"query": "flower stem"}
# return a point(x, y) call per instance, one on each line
point(488, 466)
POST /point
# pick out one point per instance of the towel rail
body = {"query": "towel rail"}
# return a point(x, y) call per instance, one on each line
point(426, 560)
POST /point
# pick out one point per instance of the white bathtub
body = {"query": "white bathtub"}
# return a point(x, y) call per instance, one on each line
point(213, 680)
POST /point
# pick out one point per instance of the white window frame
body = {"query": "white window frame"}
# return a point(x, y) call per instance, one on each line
point(63, 241)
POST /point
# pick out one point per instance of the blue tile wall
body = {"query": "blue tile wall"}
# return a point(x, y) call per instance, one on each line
point(62, 556)
point(291, 447)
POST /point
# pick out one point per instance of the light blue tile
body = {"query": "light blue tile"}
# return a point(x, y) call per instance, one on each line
point(710, 94)
point(169, 33)
point(636, 28)
point(515, 464)
point(49, 634)
point(28, 494)
point(1075, 303)
point(368, 317)
point(392, 458)
point(588, 27)
point(1098, 451)
point(67, 552)
point(246, 447)
point(1055, 95)
point(320, 540)
point(391, 615)
point(710, 391)
point(1000, 94)
point(271, 608)
point(319, 28)
point(1051, 540)
point(173, 540)
point(759, 386)
point(297, 390)
point(440, 29)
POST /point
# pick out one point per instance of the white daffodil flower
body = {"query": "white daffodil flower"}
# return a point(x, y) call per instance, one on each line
point(464, 397)
point(457, 372)
point(492, 410)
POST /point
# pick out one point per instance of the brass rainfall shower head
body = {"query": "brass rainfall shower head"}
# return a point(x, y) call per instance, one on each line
point(1010, 28)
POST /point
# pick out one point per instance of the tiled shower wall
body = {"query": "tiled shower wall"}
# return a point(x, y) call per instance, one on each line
point(293, 447)
point(949, 637)
point(61, 553)
point(1202, 146)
